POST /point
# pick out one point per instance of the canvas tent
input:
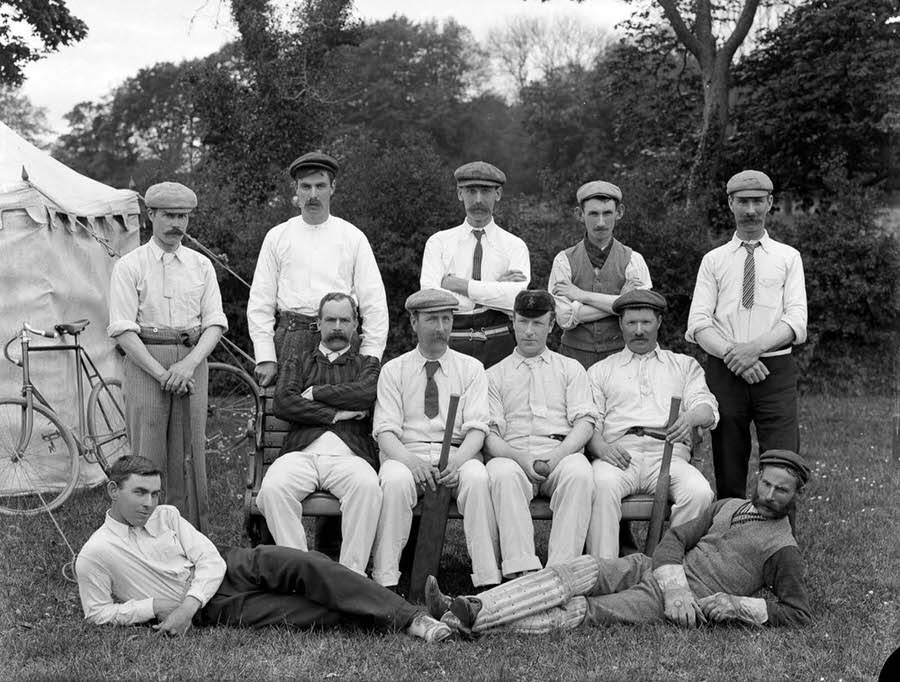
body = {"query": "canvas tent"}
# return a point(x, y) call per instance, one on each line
point(60, 235)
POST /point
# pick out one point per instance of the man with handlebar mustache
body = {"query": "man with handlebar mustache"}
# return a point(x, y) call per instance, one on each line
point(165, 313)
point(327, 396)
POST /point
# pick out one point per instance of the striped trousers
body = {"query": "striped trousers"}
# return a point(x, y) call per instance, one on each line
point(153, 419)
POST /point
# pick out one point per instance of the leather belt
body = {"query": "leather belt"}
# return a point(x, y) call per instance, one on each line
point(648, 431)
point(153, 336)
point(293, 321)
point(481, 334)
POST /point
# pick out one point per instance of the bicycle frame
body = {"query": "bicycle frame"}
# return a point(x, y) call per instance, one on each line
point(84, 363)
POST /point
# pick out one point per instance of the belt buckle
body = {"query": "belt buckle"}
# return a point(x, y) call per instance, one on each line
point(477, 335)
point(186, 339)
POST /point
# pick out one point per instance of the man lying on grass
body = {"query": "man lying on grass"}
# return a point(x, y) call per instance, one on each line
point(702, 571)
point(147, 563)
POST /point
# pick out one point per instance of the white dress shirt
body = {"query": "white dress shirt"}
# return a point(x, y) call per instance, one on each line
point(779, 293)
point(153, 288)
point(532, 399)
point(400, 408)
point(121, 568)
point(451, 251)
point(637, 390)
point(298, 264)
point(637, 276)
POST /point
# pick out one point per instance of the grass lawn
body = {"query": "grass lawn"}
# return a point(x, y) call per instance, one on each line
point(849, 532)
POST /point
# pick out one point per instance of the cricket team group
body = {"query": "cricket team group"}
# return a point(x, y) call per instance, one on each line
point(584, 427)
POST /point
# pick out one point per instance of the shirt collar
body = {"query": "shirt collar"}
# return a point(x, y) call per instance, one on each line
point(520, 359)
point(764, 241)
point(421, 360)
point(310, 226)
point(629, 355)
point(158, 253)
point(120, 529)
point(489, 229)
point(332, 355)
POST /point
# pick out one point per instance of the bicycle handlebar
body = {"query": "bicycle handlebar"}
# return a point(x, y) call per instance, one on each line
point(40, 332)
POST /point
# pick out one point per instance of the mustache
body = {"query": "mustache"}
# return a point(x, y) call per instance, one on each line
point(337, 335)
point(174, 233)
point(436, 337)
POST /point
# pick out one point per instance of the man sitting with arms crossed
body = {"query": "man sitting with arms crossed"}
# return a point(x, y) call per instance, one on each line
point(410, 414)
point(705, 570)
point(147, 563)
point(633, 390)
point(327, 396)
point(542, 415)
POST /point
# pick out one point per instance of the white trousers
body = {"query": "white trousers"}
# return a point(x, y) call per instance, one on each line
point(473, 498)
point(570, 488)
point(351, 479)
point(688, 489)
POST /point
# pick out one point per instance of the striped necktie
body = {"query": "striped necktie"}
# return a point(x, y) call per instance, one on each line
point(478, 253)
point(749, 274)
point(432, 404)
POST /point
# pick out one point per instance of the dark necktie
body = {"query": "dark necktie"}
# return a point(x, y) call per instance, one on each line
point(749, 274)
point(476, 256)
point(431, 391)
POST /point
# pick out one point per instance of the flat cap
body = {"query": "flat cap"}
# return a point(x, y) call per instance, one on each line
point(534, 303)
point(749, 183)
point(172, 195)
point(785, 458)
point(639, 298)
point(598, 188)
point(479, 173)
point(314, 161)
point(431, 301)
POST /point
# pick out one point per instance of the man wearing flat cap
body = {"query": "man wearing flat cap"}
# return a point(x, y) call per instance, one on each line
point(587, 278)
point(481, 264)
point(165, 313)
point(542, 416)
point(410, 414)
point(303, 259)
point(748, 311)
point(704, 571)
point(633, 390)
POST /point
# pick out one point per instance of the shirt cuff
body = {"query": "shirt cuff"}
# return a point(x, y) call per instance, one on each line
point(217, 320)
point(143, 611)
point(799, 331)
point(372, 349)
point(477, 426)
point(754, 608)
point(198, 594)
point(264, 351)
point(671, 577)
point(118, 328)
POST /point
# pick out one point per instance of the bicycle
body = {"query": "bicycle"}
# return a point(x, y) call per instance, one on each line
point(39, 455)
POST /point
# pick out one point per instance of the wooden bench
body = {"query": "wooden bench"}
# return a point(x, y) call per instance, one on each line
point(270, 435)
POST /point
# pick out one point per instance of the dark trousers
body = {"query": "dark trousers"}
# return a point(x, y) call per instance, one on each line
point(587, 358)
point(494, 348)
point(270, 585)
point(771, 405)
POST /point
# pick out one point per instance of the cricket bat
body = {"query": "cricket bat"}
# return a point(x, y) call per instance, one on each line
point(661, 498)
point(433, 521)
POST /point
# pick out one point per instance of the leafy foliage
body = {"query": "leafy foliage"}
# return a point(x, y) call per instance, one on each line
point(31, 28)
point(19, 113)
point(825, 83)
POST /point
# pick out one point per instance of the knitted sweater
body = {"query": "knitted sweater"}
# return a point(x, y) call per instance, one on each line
point(719, 556)
point(348, 383)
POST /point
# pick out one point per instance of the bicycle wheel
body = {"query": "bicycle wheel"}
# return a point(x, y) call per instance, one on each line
point(107, 440)
point(232, 408)
point(41, 477)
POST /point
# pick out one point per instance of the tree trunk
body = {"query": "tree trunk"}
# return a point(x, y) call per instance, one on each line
point(708, 158)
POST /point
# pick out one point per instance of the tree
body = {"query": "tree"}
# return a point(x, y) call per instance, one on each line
point(18, 112)
point(26, 22)
point(528, 49)
point(824, 85)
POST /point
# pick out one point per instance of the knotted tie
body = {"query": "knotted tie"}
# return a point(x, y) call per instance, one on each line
point(476, 256)
point(432, 406)
point(537, 397)
point(749, 274)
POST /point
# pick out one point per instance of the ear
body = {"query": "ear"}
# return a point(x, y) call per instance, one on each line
point(333, 186)
point(579, 214)
point(112, 489)
point(620, 211)
point(499, 193)
point(459, 193)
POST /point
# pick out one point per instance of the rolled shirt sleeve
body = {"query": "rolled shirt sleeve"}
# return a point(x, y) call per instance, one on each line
point(502, 295)
point(795, 310)
point(123, 299)
point(369, 290)
point(211, 312)
point(261, 304)
point(566, 310)
point(696, 392)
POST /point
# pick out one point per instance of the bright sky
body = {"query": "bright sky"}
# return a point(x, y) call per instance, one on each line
point(126, 35)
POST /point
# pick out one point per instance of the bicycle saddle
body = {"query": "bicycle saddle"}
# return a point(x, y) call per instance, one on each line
point(75, 327)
